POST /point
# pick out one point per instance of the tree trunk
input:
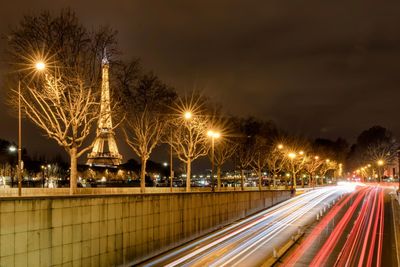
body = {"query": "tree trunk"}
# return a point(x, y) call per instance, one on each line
point(188, 174)
point(73, 171)
point(259, 180)
point(143, 175)
point(242, 179)
point(311, 181)
point(218, 177)
point(273, 181)
point(294, 185)
point(302, 182)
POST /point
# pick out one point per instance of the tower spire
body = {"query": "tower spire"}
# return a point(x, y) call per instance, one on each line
point(105, 150)
point(105, 61)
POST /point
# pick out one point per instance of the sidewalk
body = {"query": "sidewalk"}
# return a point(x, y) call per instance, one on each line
point(396, 221)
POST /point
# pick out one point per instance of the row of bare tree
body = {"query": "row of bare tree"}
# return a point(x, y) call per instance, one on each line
point(63, 100)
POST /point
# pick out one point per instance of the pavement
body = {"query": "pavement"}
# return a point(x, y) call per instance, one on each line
point(395, 207)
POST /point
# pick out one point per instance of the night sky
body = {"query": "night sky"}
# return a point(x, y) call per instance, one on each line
point(318, 68)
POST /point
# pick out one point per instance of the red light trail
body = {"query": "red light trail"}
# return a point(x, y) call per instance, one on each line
point(363, 246)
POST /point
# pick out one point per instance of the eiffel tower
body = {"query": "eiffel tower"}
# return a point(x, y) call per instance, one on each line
point(105, 151)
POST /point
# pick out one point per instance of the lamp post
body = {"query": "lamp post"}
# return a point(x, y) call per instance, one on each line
point(12, 150)
point(19, 141)
point(292, 156)
point(214, 135)
point(313, 179)
point(39, 66)
point(380, 164)
point(171, 170)
point(278, 149)
point(187, 116)
point(43, 177)
point(398, 173)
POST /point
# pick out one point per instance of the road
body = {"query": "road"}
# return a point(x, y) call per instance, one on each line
point(357, 231)
point(250, 242)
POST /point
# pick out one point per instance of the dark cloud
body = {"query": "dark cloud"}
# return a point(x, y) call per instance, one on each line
point(322, 68)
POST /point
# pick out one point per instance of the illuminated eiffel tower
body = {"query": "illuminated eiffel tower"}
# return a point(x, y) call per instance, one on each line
point(105, 151)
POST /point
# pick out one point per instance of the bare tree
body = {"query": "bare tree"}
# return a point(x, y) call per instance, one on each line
point(374, 144)
point(313, 164)
point(146, 102)
point(65, 110)
point(295, 164)
point(384, 151)
point(224, 150)
point(326, 166)
point(259, 159)
point(243, 157)
point(189, 138)
point(143, 132)
point(276, 161)
point(66, 105)
point(295, 151)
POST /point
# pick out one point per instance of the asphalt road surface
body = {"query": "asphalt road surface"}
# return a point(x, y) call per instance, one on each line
point(357, 231)
point(250, 242)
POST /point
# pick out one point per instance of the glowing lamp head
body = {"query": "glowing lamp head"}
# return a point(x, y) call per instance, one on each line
point(316, 157)
point(292, 155)
point(187, 115)
point(301, 152)
point(12, 149)
point(40, 65)
point(213, 134)
point(380, 162)
point(280, 146)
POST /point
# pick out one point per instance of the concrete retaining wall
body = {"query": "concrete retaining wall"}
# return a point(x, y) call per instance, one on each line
point(112, 230)
point(30, 191)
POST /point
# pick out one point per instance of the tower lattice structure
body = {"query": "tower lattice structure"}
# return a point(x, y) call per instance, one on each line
point(105, 150)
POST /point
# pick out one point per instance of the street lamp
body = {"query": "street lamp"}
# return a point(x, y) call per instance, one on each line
point(187, 115)
point(292, 156)
point(39, 66)
point(214, 135)
point(380, 164)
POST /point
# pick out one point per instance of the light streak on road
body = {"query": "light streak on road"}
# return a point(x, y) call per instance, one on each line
point(249, 242)
point(363, 221)
point(367, 228)
point(316, 232)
